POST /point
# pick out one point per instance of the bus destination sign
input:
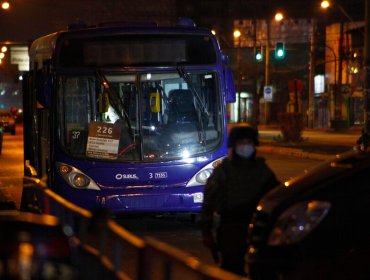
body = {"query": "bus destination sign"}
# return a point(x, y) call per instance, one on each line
point(103, 140)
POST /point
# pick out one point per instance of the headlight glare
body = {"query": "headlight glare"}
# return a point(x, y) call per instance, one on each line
point(296, 222)
point(203, 176)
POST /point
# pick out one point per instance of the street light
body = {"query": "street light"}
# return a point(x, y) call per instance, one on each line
point(237, 34)
point(279, 16)
point(5, 5)
point(327, 4)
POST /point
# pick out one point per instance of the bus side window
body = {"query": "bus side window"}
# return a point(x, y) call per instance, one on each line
point(77, 110)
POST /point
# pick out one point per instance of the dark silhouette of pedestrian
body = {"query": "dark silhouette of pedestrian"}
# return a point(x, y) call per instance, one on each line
point(232, 193)
point(363, 141)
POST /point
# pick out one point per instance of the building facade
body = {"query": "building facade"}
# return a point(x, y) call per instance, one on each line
point(344, 73)
point(272, 84)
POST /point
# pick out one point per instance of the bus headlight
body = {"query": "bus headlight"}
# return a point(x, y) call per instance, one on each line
point(201, 177)
point(76, 178)
point(80, 181)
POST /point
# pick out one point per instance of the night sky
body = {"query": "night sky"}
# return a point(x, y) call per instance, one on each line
point(29, 19)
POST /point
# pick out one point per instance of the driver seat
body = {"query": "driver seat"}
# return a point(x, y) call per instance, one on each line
point(181, 107)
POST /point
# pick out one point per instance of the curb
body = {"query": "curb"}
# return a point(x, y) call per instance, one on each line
point(294, 152)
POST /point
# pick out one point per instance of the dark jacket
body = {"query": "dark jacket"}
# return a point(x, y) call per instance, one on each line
point(234, 189)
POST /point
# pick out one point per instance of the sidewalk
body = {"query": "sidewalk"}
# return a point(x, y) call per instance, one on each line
point(319, 144)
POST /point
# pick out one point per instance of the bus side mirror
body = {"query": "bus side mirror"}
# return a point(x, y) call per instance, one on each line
point(103, 102)
point(230, 87)
point(155, 102)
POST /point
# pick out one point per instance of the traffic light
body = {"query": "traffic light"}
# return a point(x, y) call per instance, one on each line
point(279, 50)
point(258, 55)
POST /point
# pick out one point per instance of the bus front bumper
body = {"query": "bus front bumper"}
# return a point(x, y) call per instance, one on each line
point(167, 200)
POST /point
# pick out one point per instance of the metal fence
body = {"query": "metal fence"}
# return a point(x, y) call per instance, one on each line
point(120, 253)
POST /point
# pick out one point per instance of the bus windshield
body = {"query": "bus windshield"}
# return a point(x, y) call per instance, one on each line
point(139, 117)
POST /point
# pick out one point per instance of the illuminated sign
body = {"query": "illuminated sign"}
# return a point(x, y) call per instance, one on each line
point(19, 55)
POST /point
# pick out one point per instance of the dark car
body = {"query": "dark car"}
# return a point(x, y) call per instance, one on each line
point(315, 226)
point(7, 122)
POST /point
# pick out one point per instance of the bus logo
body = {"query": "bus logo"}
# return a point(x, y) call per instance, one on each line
point(120, 176)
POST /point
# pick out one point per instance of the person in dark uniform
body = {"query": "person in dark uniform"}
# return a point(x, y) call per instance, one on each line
point(232, 193)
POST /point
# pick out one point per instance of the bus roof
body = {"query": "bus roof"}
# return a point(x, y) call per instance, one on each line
point(43, 48)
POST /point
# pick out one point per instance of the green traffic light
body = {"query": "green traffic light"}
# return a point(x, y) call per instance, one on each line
point(258, 56)
point(280, 53)
point(279, 50)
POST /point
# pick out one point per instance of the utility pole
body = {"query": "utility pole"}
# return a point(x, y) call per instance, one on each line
point(255, 87)
point(311, 82)
point(267, 70)
point(238, 85)
point(338, 89)
point(367, 68)
point(237, 36)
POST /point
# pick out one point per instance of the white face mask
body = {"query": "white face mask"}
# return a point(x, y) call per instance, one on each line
point(245, 151)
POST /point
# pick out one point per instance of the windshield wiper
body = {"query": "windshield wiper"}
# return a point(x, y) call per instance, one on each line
point(186, 77)
point(115, 100)
point(203, 109)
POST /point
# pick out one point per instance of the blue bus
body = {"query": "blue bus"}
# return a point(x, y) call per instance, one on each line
point(131, 117)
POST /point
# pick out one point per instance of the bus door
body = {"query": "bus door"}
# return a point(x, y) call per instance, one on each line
point(36, 93)
point(30, 133)
point(27, 118)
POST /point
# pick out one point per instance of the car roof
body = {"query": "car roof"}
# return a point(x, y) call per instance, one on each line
point(311, 180)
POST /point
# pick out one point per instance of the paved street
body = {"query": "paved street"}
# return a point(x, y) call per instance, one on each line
point(318, 136)
point(320, 144)
point(11, 171)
